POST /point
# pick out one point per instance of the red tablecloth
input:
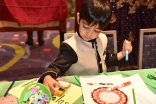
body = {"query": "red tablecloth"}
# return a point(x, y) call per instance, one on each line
point(33, 11)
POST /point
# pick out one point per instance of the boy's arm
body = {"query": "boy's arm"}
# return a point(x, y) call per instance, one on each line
point(111, 59)
point(120, 55)
point(62, 63)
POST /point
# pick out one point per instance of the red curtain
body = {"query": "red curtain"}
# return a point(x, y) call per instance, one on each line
point(33, 11)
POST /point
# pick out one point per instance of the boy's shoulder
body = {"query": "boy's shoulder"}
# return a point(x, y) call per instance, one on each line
point(68, 35)
point(102, 35)
point(71, 38)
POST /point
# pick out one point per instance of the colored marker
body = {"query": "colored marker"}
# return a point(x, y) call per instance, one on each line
point(29, 82)
point(126, 57)
point(120, 86)
point(77, 80)
point(134, 99)
point(10, 87)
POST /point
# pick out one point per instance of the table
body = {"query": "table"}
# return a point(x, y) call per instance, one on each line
point(32, 15)
point(151, 84)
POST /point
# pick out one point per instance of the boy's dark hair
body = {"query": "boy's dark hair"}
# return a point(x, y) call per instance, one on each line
point(96, 12)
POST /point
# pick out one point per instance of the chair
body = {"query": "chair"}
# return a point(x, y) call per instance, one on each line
point(112, 45)
point(112, 40)
point(68, 35)
point(147, 50)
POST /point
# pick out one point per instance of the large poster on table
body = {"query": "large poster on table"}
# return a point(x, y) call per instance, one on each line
point(116, 90)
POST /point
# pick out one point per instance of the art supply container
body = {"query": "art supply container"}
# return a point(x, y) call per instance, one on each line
point(35, 93)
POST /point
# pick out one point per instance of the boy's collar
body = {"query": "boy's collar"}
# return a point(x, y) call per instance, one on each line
point(85, 40)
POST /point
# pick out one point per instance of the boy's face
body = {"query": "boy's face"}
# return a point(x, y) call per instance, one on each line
point(87, 32)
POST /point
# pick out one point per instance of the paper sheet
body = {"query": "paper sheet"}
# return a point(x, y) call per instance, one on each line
point(90, 84)
point(16, 91)
point(142, 93)
point(72, 94)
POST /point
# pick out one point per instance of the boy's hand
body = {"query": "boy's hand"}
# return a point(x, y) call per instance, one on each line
point(51, 83)
point(126, 46)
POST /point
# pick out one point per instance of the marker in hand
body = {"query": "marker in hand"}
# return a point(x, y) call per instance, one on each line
point(131, 38)
point(120, 86)
point(126, 57)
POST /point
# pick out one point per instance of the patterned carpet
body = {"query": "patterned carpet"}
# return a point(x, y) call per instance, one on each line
point(18, 60)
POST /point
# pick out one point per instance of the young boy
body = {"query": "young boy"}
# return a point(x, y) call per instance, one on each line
point(84, 53)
